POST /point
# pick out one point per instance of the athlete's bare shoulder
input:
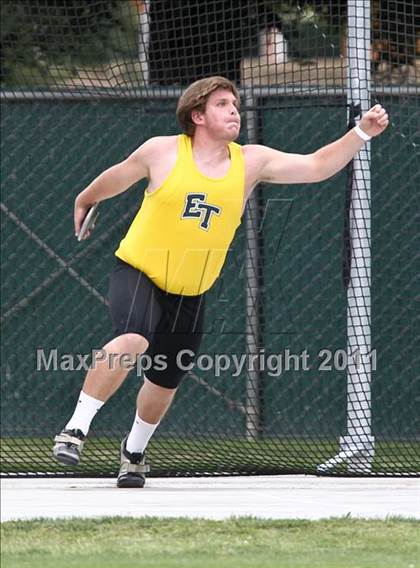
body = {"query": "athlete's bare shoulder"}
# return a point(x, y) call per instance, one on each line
point(252, 155)
point(160, 155)
point(161, 141)
point(156, 150)
point(252, 151)
point(159, 144)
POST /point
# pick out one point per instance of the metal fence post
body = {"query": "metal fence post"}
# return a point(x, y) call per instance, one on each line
point(357, 446)
point(253, 406)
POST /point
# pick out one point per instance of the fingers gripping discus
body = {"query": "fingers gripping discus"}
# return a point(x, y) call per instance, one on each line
point(88, 222)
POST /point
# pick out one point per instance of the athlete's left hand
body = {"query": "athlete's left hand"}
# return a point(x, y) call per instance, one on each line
point(374, 121)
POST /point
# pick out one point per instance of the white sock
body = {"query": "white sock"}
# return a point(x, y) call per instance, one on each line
point(140, 434)
point(85, 410)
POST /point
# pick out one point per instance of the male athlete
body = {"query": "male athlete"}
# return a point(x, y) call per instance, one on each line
point(174, 250)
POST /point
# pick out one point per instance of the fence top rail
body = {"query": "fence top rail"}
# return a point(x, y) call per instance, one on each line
point(156, 93)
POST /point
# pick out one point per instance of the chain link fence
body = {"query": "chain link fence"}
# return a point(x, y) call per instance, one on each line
point(319, 295)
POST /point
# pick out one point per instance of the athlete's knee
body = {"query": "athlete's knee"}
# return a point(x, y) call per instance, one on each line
point(130, 343)
point(154, 401)
point(163, 388)
point(133, 343)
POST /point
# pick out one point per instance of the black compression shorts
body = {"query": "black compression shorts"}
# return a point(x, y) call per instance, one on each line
point(171, 323)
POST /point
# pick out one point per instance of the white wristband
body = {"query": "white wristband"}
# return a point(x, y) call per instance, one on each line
point(365, 137)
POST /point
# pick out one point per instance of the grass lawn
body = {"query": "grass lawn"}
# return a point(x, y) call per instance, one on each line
point(115, 542)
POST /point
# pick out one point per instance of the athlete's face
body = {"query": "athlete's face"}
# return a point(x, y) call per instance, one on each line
point(221, 116)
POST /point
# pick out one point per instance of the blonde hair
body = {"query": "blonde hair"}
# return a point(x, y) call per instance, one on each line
point(195, 97)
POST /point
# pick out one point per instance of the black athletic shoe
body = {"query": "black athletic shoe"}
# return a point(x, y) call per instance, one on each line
point(132, 468)
point(68, 446)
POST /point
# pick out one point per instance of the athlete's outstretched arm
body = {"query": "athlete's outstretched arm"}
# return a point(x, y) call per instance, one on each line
point(115, 180)
point(280, 167)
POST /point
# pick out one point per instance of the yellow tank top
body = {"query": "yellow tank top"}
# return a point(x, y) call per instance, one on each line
point(181, 234)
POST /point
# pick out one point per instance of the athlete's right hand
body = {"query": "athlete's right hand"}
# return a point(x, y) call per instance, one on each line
point(80, 211)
